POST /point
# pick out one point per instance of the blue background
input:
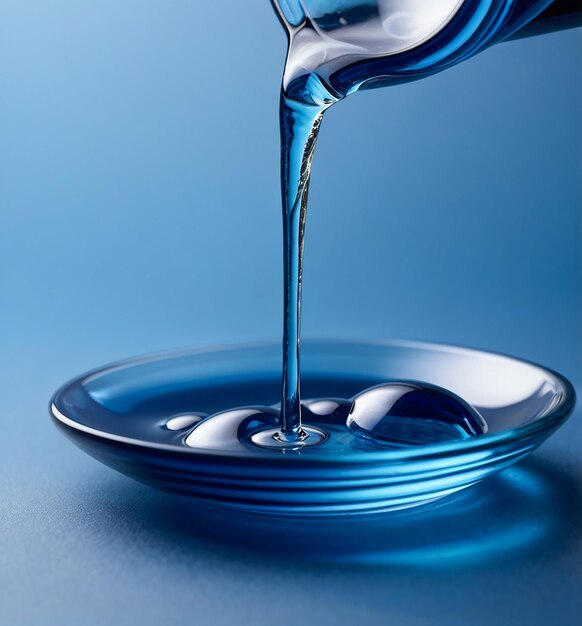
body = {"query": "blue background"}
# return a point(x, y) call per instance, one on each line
point(140, 212)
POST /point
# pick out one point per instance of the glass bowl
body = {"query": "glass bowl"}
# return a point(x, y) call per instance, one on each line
point(119, 415)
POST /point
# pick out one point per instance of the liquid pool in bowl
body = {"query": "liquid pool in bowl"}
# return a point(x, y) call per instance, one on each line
point(141, 416)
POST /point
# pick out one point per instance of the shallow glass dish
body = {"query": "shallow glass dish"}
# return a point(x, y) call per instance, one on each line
point(119, 415)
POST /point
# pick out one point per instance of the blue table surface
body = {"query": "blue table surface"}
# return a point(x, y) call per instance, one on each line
point(139, 212)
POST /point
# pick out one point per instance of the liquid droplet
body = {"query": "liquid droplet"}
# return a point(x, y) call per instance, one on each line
point(229, 430)
point(183, 421)
point(411, 414)
point(326, 410)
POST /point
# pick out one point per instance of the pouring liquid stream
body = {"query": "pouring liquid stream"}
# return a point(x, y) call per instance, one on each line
point(299, 130)
point(396, 413)
point(393, 414)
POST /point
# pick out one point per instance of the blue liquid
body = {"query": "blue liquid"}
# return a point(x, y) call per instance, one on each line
point(420, 415)
point(299, 129)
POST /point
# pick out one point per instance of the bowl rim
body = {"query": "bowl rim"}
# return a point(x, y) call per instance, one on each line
point(554, 418)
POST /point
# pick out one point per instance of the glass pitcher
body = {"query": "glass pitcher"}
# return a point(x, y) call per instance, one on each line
point(337, 47)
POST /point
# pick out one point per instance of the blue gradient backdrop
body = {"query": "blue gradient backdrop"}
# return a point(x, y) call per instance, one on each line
point(139, 200)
